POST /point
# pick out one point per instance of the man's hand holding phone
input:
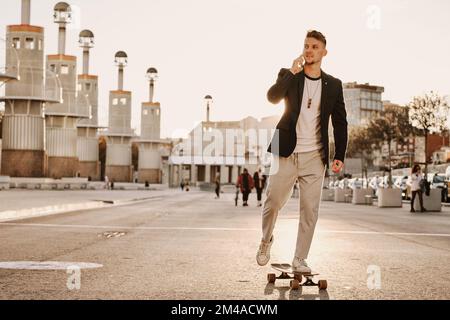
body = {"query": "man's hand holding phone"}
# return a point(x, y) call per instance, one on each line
point(297, 65)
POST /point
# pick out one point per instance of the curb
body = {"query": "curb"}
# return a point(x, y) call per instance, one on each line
point(9, 215)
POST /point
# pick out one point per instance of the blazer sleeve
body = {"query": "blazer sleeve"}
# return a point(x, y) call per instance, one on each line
point(278, 91)
point(339, 120)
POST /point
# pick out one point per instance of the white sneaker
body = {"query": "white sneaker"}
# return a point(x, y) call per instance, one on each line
point(300, 265)
point(263, 255)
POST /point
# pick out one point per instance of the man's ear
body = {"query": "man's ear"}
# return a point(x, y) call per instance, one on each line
point(326, 51)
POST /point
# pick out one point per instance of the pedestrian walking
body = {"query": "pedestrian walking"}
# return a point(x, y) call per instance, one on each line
point(417, 187)
point(245, 184)
point(106, 182)
point(260, 181)
point(217, 189)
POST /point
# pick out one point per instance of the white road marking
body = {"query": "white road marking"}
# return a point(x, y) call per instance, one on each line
point(47, 265)
point(216, 229)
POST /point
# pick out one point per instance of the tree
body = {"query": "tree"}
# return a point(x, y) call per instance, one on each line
point(429, 114)
point(360, 145)
point(392, 124)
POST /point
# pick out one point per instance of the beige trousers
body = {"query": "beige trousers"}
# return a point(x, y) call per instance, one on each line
point(309, 169)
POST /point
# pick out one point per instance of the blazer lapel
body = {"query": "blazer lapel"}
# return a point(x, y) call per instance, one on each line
point(323, 97)
point(298, 92)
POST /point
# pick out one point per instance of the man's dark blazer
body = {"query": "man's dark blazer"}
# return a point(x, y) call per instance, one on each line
point(290, 88)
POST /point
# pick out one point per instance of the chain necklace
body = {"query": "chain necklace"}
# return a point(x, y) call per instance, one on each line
point(315, 91)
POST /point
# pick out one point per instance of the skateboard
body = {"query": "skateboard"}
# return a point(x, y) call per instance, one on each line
point(295, 277)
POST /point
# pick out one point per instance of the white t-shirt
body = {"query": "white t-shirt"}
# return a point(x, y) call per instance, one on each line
point(308, 124)
point(415, 181)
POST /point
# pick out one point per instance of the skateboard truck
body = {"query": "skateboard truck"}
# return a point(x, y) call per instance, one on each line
point(295, 277)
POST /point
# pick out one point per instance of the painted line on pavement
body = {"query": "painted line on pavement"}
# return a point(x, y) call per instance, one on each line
point(47, 265)
point(215, 229)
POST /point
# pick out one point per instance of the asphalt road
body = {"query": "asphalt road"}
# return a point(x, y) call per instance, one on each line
point(188, 245)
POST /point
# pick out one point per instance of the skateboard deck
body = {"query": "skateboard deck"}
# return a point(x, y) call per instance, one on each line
point(295, 277)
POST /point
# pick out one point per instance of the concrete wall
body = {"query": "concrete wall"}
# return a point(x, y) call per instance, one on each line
point(24, 163)
point(149, 156)
point(118, 154)
point(119, 173)
point(59, 167)
point(61, 142)
point(120, 111)
point(89, 169)
point(150, 120)
point(150, 175)
point(87, 146)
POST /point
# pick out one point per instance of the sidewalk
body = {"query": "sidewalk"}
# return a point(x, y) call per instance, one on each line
point(22, 203)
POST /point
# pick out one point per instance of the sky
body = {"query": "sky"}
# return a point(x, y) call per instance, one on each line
point(233, 49)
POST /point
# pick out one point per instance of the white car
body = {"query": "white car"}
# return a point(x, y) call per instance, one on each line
point(356, 183)
point(375, 182)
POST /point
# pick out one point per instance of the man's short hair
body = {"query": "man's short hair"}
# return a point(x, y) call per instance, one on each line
point(317, 35)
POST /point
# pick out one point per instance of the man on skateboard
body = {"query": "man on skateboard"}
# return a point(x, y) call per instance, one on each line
point(300, 144)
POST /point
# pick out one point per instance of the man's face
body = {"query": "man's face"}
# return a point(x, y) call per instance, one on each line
point(313, 51)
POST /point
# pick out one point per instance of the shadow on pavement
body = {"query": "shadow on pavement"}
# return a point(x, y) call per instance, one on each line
point(294, 294)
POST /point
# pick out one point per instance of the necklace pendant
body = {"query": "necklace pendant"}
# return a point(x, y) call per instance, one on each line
point(309, 103)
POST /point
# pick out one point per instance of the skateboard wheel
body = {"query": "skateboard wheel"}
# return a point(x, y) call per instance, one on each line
point(295, 284)
point(271, 277)
point(322, 284)
point(298, 277)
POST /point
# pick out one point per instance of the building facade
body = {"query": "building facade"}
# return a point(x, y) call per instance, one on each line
point(119, 133)
point(153, 152)
point(29, 92)
point(61, 118)
point(221, 150)
point(87, 129)
point(362, 102)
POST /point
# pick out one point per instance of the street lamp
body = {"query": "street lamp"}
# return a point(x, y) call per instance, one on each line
point(208, 100)
point(62, 15)
point(121, 60)
point(151, 75)
point(86, 41)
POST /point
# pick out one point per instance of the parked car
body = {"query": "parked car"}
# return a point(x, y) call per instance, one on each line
point(384, 181)
point(439, 181)
point(356, 183)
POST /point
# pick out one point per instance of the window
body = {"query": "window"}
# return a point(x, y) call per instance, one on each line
point(16, 43)
point(29, 43)
point(88, 86)
point(145, 112)
point(157, 112)
point(52, 68)
point(79, 87)
point(64, 69)
point(123, 101)
point(115, 101)
point(39, 44)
